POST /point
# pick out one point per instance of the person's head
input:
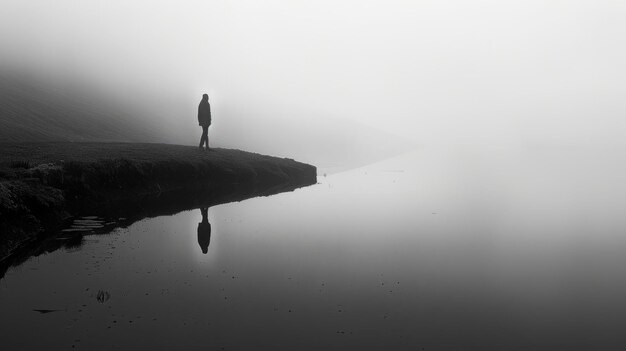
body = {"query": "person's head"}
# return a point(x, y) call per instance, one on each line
point(205, 97)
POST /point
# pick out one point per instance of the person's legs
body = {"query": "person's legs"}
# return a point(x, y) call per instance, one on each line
point(204, 137)
point(207, 137)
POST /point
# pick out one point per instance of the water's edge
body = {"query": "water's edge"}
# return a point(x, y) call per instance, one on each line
point(123, 213)
point(40, 194)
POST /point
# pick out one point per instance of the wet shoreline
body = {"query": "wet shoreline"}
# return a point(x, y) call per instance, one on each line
point(43, 186)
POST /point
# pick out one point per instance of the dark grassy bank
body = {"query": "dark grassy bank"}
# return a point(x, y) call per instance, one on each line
point(44, 184)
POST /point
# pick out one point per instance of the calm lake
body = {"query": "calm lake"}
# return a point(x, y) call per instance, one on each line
point(439, 249)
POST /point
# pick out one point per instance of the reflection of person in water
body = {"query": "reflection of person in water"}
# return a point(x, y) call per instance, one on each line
point(204, 231)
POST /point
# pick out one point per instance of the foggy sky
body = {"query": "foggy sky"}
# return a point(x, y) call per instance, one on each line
point(432, 71)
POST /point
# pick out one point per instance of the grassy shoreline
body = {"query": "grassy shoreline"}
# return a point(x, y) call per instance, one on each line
point(43, 184)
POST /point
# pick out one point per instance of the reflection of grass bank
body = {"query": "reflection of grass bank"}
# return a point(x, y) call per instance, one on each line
point(43, 183)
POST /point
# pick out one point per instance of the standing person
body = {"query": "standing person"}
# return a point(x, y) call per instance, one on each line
point(204, 120)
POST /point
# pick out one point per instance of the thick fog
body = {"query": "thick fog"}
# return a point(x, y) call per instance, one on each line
point(494, 71)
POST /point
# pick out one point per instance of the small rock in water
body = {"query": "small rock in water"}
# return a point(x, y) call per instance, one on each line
point(103, 296)
point(46, 311)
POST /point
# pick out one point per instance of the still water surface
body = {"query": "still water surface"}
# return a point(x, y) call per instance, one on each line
point(465, 249)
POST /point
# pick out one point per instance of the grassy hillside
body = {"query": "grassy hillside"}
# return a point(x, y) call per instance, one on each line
point(35, 111)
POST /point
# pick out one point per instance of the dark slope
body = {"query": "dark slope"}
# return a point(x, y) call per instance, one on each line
point(36, 111)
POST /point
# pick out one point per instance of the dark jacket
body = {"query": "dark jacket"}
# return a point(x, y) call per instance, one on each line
point(204, 113)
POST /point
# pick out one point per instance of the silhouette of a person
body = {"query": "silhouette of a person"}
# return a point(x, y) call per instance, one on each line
point(204, 120)
point(204, 231)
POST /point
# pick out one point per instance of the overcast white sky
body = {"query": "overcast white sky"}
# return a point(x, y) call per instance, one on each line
point(433, 71)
